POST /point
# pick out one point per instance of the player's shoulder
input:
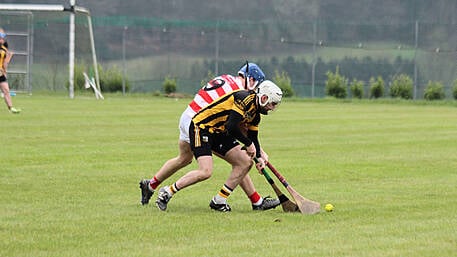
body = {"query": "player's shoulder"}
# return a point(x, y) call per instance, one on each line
point(226, 77)
point(233, 81)
point(243, 94)
point(226, 82)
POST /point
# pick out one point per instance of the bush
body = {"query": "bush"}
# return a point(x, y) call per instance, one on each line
point(336, 84)
point(357, 89)
point(78, 77)
point(111, 80)
point(282, 80)
point(402, 87)
point(376, 87)
point(434, 91)
point(454, 90)
point(169, 85)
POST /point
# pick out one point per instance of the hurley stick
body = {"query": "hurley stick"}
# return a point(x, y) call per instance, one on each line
point(305, 205)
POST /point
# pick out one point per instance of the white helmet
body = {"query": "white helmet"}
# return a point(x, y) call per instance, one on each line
point(271, 90)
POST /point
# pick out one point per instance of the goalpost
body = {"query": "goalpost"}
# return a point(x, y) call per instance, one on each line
point(73, 9)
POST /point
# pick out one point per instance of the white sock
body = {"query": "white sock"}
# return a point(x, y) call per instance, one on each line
point(167, 189)
point(219, 199)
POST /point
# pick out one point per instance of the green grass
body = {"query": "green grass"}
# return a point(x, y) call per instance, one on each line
point(69, 173)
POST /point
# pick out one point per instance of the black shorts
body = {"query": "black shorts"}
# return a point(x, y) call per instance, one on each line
point(2, 78)
point(203, 143)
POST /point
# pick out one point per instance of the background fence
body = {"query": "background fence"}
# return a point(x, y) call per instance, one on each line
point(147, 50)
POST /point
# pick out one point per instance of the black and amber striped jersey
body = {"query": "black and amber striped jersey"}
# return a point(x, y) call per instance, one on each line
point(228, 113)
point(3, 53)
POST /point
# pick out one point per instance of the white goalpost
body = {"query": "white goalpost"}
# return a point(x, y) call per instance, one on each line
point(73, 9)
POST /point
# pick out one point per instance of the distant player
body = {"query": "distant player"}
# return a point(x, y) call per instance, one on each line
point(5, 58)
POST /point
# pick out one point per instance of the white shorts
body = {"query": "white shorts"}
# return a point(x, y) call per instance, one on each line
point(184, 123)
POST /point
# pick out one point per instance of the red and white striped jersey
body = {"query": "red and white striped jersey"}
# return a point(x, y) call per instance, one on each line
point(214, 89)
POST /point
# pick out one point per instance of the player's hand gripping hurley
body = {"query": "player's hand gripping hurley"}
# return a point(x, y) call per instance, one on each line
point(286, 204)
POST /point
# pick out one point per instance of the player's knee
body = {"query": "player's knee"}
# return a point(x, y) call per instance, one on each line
point(185, 160)
point(204, 174)
point(245, 162)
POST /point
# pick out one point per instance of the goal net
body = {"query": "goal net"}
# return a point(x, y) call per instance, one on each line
point(53, 46)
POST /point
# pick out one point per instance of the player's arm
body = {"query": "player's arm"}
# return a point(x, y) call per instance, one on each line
point(235, 119)
point(233, 128)
point(7, 60)
point(8, 56)
point(253, 134)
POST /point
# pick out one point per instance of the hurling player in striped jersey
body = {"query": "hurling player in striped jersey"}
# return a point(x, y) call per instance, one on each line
point(217, 129)
point(214, 89)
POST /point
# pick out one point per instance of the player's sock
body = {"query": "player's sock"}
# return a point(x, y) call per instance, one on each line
point(173, 189)
point(223, 194)
point(256, 199)
point(154, 183)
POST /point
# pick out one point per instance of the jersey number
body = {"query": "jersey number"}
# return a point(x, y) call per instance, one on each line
point(214, 84)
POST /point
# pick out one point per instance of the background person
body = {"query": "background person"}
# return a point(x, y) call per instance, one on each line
point(5, 58)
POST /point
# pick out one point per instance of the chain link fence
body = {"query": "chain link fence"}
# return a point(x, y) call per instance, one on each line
point(147, 50)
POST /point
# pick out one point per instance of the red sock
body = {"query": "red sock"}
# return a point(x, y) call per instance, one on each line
point(255, 197)
point(154, 183)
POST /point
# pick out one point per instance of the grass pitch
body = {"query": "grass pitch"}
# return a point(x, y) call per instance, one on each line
point(70, 169)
